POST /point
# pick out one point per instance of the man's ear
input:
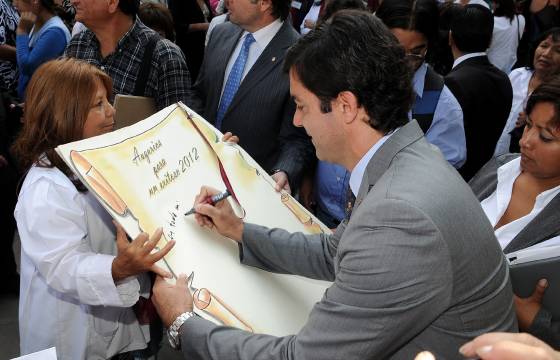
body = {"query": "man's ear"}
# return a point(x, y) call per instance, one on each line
point(112, 6)
point(266, 6)
point(347, 104)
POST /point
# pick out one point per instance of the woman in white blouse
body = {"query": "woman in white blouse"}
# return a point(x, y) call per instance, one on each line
point(508, 29)
point(546, 65)
point(520, 194)
point(77, 283)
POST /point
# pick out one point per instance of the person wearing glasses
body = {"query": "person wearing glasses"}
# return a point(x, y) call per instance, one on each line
point(415, 25)
point(484, 91)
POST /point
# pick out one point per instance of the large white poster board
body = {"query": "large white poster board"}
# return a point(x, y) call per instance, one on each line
point(147, 175)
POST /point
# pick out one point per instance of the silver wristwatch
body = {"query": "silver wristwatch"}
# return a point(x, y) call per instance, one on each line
point(173, 331)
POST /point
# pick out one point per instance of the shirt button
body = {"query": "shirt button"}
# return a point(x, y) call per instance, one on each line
point(338, 178)
point(103, 68)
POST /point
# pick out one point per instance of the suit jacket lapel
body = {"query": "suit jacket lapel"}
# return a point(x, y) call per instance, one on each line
point(380, 162)
point(276, 50)
point(542, 227)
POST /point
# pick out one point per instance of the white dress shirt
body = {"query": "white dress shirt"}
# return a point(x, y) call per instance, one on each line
point(357, 173)
point(462, 58)
point(475, 2)
point(446, 131)
point(496, 204)
point(505, 39)
point(519, 79)
point(68, 298)
point(262, 37)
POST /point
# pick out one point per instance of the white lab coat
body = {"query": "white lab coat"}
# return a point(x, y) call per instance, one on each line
point(67, 295)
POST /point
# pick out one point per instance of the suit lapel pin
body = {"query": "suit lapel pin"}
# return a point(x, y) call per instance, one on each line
point(274, 59)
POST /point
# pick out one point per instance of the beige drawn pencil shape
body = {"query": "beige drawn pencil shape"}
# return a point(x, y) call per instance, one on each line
point(204, 300)
point(301, 215)
point(98, 183)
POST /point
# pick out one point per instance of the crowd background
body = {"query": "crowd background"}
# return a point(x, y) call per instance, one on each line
point(473, 73)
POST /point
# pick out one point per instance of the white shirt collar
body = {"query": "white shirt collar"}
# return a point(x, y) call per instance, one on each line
point(496, 204)
point(264, 35)
point(357, 173)
point(462, 58)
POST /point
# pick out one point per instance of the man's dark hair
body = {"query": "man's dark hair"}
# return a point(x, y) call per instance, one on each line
point(333, 6)
point(280, 9)
point(158, 18)
point(331, 59)
point(548, 92)
point(471, 28)
point(129, 7)
point(554, 33)
point(413, 15)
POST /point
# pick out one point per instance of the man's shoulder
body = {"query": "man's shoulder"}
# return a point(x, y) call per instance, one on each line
point(83, 37)
point(288, 31)
point(225, 30)
point(165, 48)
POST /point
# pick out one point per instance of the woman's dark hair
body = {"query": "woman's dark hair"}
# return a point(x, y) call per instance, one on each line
point(547, 92)
point(505, 8)
point(554, 33)
point(158, 18)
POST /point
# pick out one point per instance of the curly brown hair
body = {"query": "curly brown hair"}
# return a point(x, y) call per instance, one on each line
point(58, 99)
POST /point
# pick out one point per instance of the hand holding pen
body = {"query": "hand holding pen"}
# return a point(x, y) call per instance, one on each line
point(217, 214)
point(212, 200)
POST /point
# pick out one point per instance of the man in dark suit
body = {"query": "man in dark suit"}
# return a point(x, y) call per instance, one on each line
point(407, 276)
point(483, 91)
point(241, 87)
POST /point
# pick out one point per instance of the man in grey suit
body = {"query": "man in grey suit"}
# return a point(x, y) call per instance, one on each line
point(241, 87)
point(415, 267)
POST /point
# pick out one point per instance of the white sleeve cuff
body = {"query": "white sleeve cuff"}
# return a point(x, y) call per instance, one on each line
point(96, 285)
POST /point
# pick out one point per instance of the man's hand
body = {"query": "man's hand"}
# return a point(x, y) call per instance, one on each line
point(521, 119)
point(171, 300)
point(310, 24)
point(281, 179)
point(137, 257)
point(229, 137)
point(508, 346)
point(527, 308)
point(26, 21)
point(220, 215)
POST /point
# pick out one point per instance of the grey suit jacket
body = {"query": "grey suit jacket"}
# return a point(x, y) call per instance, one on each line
point(417, 267)
point(262, 110)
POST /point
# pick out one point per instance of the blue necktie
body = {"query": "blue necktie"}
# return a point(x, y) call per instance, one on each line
point(234, 79)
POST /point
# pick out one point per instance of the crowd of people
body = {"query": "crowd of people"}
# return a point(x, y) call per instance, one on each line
point(425, 133)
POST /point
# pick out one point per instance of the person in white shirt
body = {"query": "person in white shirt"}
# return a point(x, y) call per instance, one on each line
point(78, 284)
point(520, 195)
point(545, 65)
point(508, 29)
